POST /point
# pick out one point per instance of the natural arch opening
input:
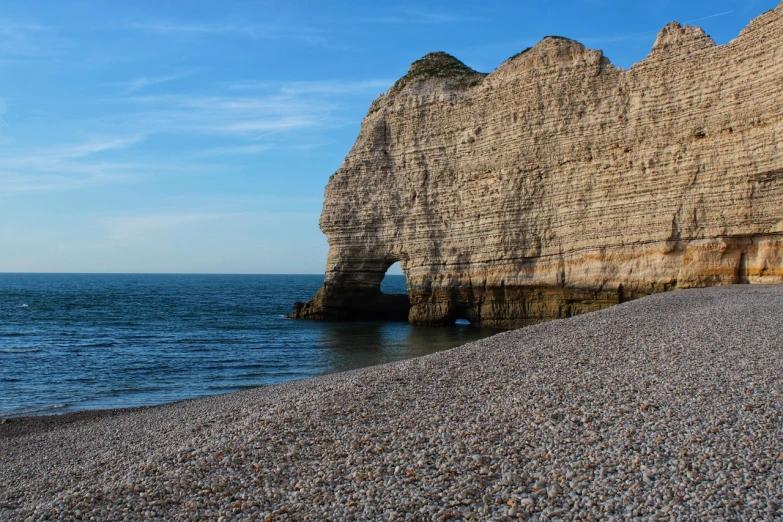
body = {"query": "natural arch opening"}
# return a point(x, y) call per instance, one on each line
point(463, 316)
point(394, 281)
point(393, 302)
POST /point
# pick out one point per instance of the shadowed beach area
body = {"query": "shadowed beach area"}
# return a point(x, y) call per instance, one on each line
point(668, 406)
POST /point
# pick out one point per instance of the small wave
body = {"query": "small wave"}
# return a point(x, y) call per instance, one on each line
point(20, 350)
point(106, 344)
point(23, 305)
point(51, 407)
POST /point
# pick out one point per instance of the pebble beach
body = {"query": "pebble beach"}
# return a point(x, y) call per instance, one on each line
point(664, 408)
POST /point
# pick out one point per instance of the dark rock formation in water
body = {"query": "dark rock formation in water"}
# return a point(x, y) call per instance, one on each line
point(560, 184)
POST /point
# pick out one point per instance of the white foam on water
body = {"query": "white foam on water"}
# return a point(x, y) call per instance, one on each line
point(20, 350)
point(30, 411)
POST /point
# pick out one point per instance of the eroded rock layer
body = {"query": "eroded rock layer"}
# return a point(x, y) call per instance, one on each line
point(560, 184)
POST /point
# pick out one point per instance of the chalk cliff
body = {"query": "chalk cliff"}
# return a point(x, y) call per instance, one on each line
point(560, 184)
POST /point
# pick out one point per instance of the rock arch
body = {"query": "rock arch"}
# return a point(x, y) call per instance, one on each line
point(353, 292)
point(560, 184)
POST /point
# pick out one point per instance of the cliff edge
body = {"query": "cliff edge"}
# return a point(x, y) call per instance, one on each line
point(560, 184)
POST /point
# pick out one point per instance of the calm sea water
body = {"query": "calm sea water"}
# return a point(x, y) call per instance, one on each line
point(73, 342)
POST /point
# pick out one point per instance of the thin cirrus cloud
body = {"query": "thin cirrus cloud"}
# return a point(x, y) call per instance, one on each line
point(146, 226)
point(3, 109)
point(642, 35)
point(141, 226)
point(707, 17)
point(281, 107)
point(58, 155)
point(238, 150)
point(94, 146)
point(415, 16)
point(63, 167)
point(13, 182)
point(288, 123)
point(334, 87)
point(253, 32)
point(272, 103)
point(252, 107)
point(240, 116)
point(47, 175)
point(20, 40)
point(64, 177)
point(143, 82)
point(265, 107)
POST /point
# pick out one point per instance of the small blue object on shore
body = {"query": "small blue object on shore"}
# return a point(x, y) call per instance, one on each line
point(71, 342)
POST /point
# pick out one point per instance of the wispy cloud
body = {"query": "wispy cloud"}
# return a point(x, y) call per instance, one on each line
point(224, 203)
point(174, 28)
point(417, 16)
point(245, 119)
point(145, 226)
point(314, 87)
point(143, 82)
point(229, 115)
point(58, 154)
point(63, 167)
point(272, 103)
point(140, 226)
point(238, 150)
point(642, 35)
point(3, 108)
point(94, 146)
point(287, 123)
point(21, 40)
point(253, 32)
point(709, 16)
point(49, 176)
point(588, 40)
point(12, 182)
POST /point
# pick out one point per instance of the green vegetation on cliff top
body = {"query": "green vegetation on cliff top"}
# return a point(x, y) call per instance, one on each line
point(438, 65)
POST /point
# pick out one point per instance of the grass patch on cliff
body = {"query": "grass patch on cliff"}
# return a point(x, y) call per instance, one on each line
point(439, 65)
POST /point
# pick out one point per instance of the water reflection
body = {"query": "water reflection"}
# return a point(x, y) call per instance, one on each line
point(355, 345)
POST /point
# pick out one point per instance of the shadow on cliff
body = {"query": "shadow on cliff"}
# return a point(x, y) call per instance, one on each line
point(374, 297)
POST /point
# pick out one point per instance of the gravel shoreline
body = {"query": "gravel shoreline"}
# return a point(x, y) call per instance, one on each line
point(664, 408)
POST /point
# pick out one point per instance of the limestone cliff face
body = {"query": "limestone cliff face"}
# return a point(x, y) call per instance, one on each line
point(560, 184)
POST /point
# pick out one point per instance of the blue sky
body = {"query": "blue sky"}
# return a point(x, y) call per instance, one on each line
point(198, 136)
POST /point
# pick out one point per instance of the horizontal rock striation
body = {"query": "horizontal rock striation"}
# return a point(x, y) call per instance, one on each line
point(560, 184)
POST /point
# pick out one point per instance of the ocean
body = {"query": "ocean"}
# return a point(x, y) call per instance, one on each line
point(71, 342)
